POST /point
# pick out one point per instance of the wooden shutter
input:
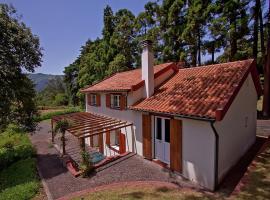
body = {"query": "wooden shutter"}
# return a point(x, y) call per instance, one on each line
point(98, 99)
point(89, 99)
point(147, 136)
point(108, 100)
point(108, 140)
point(123, 102)
point(122, 143)
point(176, 145)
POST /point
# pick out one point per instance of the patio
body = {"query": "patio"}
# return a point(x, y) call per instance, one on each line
point(86, 134)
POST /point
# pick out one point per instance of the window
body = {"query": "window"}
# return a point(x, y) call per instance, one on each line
point(115, 101)
point(93, 100)
point(167, 130)
point(158, 127)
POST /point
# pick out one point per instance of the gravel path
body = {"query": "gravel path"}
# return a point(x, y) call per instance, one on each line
point(61, 183)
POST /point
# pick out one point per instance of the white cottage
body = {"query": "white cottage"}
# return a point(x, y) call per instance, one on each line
point(198, 121)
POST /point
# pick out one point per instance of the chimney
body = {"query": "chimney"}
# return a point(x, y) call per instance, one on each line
point(147, 67)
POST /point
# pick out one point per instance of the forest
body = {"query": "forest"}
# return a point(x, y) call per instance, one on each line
point(195, 32)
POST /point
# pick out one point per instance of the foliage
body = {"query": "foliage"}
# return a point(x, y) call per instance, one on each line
point(61, 99)
point(53, 94)
point(180, 30)
point(14, 145)
point(19, 181)
point(62, 125)
point(19, 51)
point(86, 166)
point(49, 115)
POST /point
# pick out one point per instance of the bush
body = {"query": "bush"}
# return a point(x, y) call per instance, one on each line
point(14, 145)
point(19, 181)
point(61, 100)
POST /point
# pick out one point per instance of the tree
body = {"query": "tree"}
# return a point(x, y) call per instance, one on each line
point(61, 126)
point(194, 30)
point(19, 51)
point(117, 65)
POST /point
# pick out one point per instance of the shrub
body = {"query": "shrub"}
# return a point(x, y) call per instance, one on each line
point(14, 145)
point(61, 99)
point(86, 166)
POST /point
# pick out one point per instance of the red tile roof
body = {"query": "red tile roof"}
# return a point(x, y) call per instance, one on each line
point(205, 92)
point(126, 81)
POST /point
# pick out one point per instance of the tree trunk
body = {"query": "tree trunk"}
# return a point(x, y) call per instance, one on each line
point(194, 56)
point(213, 52)
point(63, 143)
point(266, 97)
point(255, 30)
point(199, 48)
point(261, 33)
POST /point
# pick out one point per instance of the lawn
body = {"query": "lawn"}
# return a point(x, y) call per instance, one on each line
point(145, 192)
point(18, 175)
point(19, 181)
point(48, 114)
point(258, 182)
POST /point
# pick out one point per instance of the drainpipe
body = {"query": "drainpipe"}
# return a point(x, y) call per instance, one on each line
point(216, 154)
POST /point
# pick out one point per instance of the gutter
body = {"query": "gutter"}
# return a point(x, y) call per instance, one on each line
point(216, 154)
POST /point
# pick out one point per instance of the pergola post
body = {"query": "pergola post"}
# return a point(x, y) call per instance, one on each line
point(82, 144)
point(63, 143)
point(52, 131)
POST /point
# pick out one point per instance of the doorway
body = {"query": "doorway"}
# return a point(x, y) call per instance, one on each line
point(162, 139)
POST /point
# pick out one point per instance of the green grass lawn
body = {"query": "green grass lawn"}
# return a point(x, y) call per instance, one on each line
point(19, 181)
point(145, 192)
point(258, 183)
point(18, 175)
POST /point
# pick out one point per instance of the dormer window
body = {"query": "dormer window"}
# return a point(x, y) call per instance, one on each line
point(115, 101)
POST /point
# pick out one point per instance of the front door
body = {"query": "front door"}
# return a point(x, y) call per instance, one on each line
point(162, 139)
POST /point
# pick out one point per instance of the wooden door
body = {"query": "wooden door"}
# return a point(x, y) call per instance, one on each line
point(176, 145)
point(147, 136)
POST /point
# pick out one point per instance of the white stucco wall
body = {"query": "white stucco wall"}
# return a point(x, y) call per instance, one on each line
point(133, 137)
point(198, 152)
point(236, 135)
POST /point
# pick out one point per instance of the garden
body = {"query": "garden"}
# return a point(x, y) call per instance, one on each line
point(18, 174)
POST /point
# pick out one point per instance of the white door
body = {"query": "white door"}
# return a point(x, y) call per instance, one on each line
point(162, 139)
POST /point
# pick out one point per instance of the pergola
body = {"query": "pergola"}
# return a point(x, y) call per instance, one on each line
point(85, 125)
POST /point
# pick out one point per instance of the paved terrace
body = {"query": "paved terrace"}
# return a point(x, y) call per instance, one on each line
point(60, 182)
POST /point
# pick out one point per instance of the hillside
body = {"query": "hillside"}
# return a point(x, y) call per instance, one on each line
point(41, 80)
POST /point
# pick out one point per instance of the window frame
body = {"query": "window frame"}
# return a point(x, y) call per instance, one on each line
point(93, 97)
point(116, 100)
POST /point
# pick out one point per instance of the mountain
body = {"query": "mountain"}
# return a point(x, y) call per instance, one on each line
point(41, 80)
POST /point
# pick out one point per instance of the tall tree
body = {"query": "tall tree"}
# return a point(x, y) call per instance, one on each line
point(197, 14)
point(19, 50)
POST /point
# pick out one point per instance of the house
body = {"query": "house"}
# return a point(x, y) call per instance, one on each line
point(199, 121)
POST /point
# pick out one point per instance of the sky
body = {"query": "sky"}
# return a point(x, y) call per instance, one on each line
point(63, 26)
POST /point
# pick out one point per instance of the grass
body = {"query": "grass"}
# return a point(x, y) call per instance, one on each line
point(145, 192)
point(258, 183)
point(19, 181)
point(49, 115)
point(18, 177)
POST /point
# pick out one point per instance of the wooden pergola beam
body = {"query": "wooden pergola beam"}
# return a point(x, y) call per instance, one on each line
point(85, 124)
point(104, 131)
point(94, 125)
point(101, 127)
